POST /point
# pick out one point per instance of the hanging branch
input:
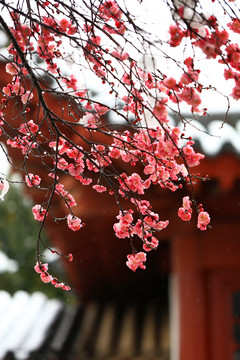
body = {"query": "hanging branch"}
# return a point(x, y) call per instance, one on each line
point(93, 141)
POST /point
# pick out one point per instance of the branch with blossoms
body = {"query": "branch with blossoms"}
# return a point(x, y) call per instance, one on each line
point(124, 146)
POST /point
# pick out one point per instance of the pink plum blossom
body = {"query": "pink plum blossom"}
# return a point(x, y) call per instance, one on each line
point(123, 227)
point(74, 223)
point(136, 260)
point(12, 69)
point(4, 187)
point(32, 180)
point(203, 220)
point(26, 97)
point(70, 257)
point(39, 268)
point(185, 212)
point(30, 127)
point(39, 212)
point(150, 244)
point(99, 188)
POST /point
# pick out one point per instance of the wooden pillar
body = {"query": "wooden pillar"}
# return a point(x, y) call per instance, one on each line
point(189, 320)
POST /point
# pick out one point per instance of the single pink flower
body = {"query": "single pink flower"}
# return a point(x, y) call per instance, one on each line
point(26, 97)
point(203, 220)
point(39, 212)
point(99, 188)
point(32, 180)
point(74, 223)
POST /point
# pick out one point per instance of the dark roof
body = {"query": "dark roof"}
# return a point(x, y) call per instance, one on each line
point(35, 327)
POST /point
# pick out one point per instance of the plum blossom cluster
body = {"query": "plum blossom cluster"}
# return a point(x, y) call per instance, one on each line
point(136, 260)
point(112, 14)
point(45, 276)
point(143, 227)
point(215, 43)
point(185, 213)
point(71, 135)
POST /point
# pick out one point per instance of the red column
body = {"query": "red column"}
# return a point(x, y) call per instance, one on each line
point(189, 326)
